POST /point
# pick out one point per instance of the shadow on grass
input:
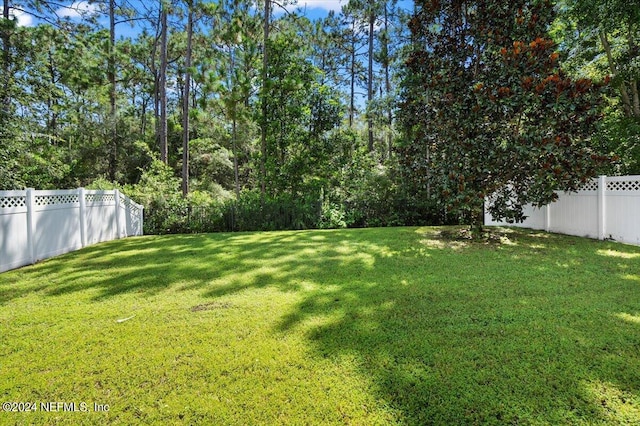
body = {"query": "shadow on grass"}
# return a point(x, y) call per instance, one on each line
point(539, 329)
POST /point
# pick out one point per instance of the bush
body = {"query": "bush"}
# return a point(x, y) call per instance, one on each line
point(248, 213)
point(251, 213)
point(368, 195)
point(333, 216)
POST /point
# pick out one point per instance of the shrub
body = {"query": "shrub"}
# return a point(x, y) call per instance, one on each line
point(333, 216)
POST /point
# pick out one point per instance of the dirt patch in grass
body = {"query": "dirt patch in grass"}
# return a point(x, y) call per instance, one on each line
point(495, 236)
point(459, 238)
point(211, 306)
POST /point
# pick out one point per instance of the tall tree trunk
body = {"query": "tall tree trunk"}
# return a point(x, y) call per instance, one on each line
point(372, 21)
point(163, 130)
point(636, 98)
point(111, 75)
point(265, 76)
point(477, 221)
point(52, 115)
point(634, 83)
point(143, 117)
point(185, 105)
point(6, 84)
point(387, 82)
point(626, 100)
point(234, 128)
point(234, 136)
point(352, 92)
point(156, 81)
point(156, 107)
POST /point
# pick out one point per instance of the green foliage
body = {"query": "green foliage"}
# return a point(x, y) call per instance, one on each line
point(600, 40)
point(59, 132)
point(210, 162)
point(40, 163)
point(333, 216)
point(301, 112)
point(486, 99)
point(365, 193)
point(620, 137)
point(59, 128)
point(283, 212)
point(369, 194)
point(10, 179)
point(158, 192)
point(102, 183)
point(201, 212)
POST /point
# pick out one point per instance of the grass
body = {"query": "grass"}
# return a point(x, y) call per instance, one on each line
point(371, 326)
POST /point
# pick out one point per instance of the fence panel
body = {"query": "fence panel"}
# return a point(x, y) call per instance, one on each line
point(536, 218)
point(131, 214)
point(605, 208)
point(622, 215)
point(14, 246)
point(575, 214)
point(57, 212)
point(100, 216)
point(36, 225)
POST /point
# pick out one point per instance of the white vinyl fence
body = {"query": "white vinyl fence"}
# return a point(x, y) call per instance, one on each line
point(605, 208)
point(36, 225)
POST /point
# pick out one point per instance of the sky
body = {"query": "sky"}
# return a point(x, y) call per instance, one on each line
point(75, 10)
point(313, 9)
point(72, 11)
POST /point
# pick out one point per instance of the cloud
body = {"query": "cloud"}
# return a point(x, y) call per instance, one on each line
point(322, 4)
point(78, 9)
point(24, 19)
point(317, 6)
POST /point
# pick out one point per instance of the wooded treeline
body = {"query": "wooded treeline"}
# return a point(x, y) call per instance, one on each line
point(187, 104)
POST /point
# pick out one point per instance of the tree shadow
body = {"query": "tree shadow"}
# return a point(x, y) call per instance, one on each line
point(538, 328)
point(218, 264)
point(460, 341)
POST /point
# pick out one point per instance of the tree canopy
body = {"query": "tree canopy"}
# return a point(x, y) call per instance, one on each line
point(381, 113)
point(485, 93)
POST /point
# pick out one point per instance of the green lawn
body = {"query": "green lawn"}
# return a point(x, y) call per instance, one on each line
point(371, 326)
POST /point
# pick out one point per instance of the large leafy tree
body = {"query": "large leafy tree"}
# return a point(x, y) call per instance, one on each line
point(489, 112)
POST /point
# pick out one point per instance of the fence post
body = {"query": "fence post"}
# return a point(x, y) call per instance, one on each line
point(30, 225)
point(547, 218)
point(116, 194)
point(83, 217)
point(602, 211)
point(140, 230)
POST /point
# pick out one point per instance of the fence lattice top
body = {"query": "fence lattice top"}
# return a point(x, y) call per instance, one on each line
point(49, 200)
point(12, 202)
point(590, 186)
point(99, 198)
point(624, 185)
point(18, 199)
